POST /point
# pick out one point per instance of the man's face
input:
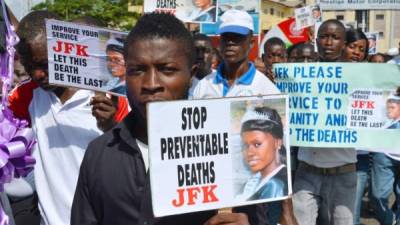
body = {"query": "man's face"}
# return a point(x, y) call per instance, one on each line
point(235, 48)
point(203, 4)
point(37, 66)
point(393, 110)
point(306, 54)
point(203, 55)
point(116, 63)
point(274, 54)
point(156, 70)
point(331, 42)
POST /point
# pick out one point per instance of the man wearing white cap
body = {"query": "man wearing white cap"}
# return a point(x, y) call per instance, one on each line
point(235, 76)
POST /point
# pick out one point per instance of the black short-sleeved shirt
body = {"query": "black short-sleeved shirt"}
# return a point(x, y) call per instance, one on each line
point(114, 189)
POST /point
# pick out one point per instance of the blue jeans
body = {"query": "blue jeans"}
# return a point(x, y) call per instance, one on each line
point(384, 174)
point(362, 179)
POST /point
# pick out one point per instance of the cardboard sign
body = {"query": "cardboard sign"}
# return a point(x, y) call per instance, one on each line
point(210, 154)
point(307, 16)
point(340, 104)
point(372, 42)
point(250, 6)
point(85, 57)
point(185, 10)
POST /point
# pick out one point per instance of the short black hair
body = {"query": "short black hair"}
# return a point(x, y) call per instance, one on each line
point(332, 21)
point(353, 35)
point(274, 41)
point(201, 37)
point(89, 20)
point(30, 28)
point(291, 48)
point(162, 25)
point(273, 125)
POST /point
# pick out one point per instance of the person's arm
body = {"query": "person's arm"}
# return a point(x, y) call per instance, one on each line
point(228, 219)
point(287, 217)
point(82, 212)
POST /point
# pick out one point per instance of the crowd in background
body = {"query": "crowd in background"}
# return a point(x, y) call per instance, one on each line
point(91, 148)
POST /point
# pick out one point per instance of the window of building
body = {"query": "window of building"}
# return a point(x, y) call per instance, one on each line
point(381, 35)
point(271, 11)
point(266, 10)
point(340, 17)
point(380, 16)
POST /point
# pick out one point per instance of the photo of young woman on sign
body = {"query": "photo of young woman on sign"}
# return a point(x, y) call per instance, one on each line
point(264, 154)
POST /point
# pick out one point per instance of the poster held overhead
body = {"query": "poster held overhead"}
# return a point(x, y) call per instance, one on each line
point(86, 57)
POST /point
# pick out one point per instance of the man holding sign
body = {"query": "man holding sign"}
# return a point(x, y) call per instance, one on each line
point(114, 186)
point(325, 183)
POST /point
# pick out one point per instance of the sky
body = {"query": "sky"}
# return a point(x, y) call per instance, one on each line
point(21, 7)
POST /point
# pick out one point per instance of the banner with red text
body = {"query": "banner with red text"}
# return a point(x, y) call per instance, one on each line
point(85, 57)
point(217, 153)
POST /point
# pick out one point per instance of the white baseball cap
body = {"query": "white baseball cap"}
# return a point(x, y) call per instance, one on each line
point(236, 21)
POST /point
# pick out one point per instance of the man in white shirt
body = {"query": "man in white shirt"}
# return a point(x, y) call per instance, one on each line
point(61, 119)
point(235, 76)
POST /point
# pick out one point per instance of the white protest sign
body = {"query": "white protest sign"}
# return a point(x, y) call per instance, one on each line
point(367, 109)
point(210, 154)
point(372, 42)
point(185, 10)
point(307, 16)
point(303, 17)
point(85, 57)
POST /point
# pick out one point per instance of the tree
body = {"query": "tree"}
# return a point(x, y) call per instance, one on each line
point(114, 13)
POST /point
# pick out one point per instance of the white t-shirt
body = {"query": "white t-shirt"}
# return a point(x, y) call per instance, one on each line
point(253, 82)
point(63, 132)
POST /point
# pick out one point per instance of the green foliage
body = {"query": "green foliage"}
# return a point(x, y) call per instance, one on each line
point(114, 13)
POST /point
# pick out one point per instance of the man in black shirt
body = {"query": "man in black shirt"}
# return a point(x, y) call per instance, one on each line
point(113, 186)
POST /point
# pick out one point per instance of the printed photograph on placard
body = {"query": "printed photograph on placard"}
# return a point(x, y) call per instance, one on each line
point(193, 11)
point(372, 42)
point(250, 6)
point(86, 57)
point(260, 149)
point(374, 109)
point(113, 45)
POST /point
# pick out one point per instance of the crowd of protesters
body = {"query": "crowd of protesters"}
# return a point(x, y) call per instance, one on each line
point(92, 153)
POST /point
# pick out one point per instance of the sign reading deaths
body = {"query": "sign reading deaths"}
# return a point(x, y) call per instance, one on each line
point(340, 104)
point(85, 57)
point(199, 156)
